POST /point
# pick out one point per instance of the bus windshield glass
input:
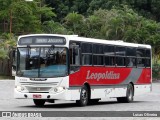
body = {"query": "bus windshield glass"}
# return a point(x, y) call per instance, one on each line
point(41, 62)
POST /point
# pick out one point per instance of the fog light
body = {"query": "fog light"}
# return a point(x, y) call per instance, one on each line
point(19, 88)
point(55, 89)
point(59, 89)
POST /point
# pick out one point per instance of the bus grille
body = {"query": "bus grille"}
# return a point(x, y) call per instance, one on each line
point(38, 89)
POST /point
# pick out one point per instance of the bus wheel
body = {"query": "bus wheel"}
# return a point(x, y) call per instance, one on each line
point(84, 96)
point(129, 95)
point(39, 102)
point(93, 101)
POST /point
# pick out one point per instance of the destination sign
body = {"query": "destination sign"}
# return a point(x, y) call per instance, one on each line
point(42, 40)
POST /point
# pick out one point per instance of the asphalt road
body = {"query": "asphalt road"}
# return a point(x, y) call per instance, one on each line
point(145, 102)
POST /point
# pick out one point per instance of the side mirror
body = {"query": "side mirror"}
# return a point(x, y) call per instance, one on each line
point(13, 70)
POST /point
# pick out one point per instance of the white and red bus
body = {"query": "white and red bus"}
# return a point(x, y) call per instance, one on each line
point(51, 67)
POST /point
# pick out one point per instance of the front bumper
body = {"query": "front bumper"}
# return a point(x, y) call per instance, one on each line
point(64, 95)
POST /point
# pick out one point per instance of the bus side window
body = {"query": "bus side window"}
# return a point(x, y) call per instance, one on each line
point(109, 53)
point(131, 57)
point(74, 57)
point(120, 55)
point(130, 62)
point(110, 61)
point(140, 57)
point(98, 54)
point(148, 58)
point(86, 54)
point(86, 59)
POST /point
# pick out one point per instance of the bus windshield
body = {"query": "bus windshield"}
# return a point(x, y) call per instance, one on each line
point(41, 62)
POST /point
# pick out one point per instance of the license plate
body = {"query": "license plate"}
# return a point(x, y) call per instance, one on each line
point(37, 96)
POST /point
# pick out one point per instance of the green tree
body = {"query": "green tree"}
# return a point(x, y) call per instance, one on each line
point(117, 24)
point(63, 7)
point(54, 28)
point(7, 41)
point(80, 6)
point(74, 22)
point(93, 25)
point(147, 8)
point(103, 4)
point(24, 17)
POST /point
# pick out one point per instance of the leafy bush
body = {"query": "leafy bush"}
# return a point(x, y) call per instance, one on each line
point(156, 71)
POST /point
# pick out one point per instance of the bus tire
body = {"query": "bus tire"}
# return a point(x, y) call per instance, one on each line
point(84, 97)
point(93, 101)
point(51, 100)
point(39, 102)
point(129, 95)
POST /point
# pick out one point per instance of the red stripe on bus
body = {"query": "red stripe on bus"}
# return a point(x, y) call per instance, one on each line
point(106, 76)
point(145, 77)
point(99, 75)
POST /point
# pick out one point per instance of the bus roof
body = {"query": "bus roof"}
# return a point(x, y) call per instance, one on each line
point(92, 40)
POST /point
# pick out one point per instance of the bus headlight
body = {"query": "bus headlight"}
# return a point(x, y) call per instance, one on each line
point(19, 88)
point(59, 89)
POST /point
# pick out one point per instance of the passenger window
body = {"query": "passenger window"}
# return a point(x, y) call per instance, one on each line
point(141, 57)
point(109, 60)
point(86, 54)
point(131, 57)
point(120, 61)
point(148, 58)
point(131, 62)
point(140, 52)
point(120, 56)
point(141, 62)
point(97, 60)
point(148, 62)
point(148, 53)
point(86, 48)
point(74, 57)
point(109, 52)
point(97, 49)
point(120, 51)
point(86, 59)
point(131, 52)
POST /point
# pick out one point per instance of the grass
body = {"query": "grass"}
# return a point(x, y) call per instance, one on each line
point(2, 77)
